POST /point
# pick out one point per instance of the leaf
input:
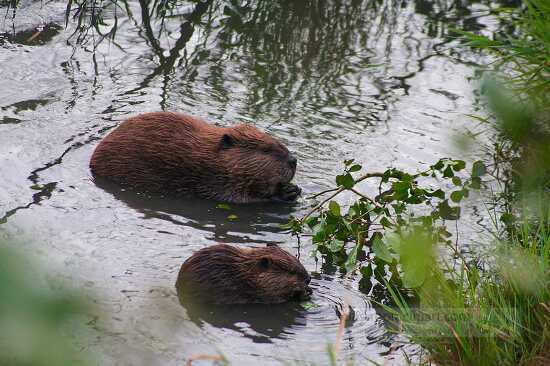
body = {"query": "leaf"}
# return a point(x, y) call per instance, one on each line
point(334, 208)
point(293, 224)
point(448, 172)
point(447, 212)
point(335, 245)
point(232, 217)
point(401, 190)
point(416, 257)
point(355, 168)
point(438, 166)
point(414, 274)
point(385, 222)
point(318, 232)
point(475, 183)
point(366, 271)
point(456, 196)
point(347, 224)
point(223, 206)
point(345, 180)
point(438, 193)
point(414, 200)
point(444, 232)
point(457, 181)
point(399, 208)
point(381, 250)
point(427, 221)
point(308, 305)
point(312, 221)
point(348, 162)
point(507, 218)
point(352, 258)
point(459, 165)
point(478, 169)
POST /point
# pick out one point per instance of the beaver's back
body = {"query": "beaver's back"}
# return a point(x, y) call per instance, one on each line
point(151, 150)
point(175, 154)
point(226, 274)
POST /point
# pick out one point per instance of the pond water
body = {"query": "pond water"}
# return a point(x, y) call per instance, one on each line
point(373, 80)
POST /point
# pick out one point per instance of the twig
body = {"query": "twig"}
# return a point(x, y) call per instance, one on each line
point(322, 193)
point(31, 38)
point(203, 357)
point(370, 175)
point(361, 217)
point(365, 197)
point(341, 326)
point(340, 190)
point(337, 191)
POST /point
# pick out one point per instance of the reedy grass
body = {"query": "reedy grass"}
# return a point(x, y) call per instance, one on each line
point(499, 316)
point(523, 57)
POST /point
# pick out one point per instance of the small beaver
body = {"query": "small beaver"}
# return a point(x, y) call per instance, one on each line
point(175, 154)
point(224, 274)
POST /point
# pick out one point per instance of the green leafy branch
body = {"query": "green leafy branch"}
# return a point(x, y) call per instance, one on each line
point(367, 233)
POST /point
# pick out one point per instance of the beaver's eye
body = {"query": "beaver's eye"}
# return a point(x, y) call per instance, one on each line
point(265, 263)
point(226, 141)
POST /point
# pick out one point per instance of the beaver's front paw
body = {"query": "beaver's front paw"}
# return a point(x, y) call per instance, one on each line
point(287, 193)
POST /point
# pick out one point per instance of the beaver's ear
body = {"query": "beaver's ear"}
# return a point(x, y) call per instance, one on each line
point(265, 263)
point(226, 141)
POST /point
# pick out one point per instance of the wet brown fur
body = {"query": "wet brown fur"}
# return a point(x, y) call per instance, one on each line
point(176, 154)
point(225, 274)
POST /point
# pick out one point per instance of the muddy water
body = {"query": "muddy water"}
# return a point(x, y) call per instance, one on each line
point(302, 71)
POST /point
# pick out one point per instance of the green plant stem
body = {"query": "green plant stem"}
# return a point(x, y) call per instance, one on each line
point(339, 190)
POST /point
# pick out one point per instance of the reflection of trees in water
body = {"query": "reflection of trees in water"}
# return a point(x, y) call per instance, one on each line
point(298, 56)
point(289, 55)
point(307, 53)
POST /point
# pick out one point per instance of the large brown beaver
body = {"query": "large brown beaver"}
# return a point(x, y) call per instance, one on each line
point(225, 274)
point(176, 154)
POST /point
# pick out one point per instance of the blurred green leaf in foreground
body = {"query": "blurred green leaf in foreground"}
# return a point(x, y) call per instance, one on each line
point(36, 321)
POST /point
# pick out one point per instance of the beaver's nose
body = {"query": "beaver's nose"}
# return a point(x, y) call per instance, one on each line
point(292, 161)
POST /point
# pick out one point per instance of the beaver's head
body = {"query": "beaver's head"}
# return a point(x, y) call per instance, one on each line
point(259, 167)
point(225, 274)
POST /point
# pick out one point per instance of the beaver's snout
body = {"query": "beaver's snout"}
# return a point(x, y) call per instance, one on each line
point(293, 162)
point(302, 294)
point(286, 192)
